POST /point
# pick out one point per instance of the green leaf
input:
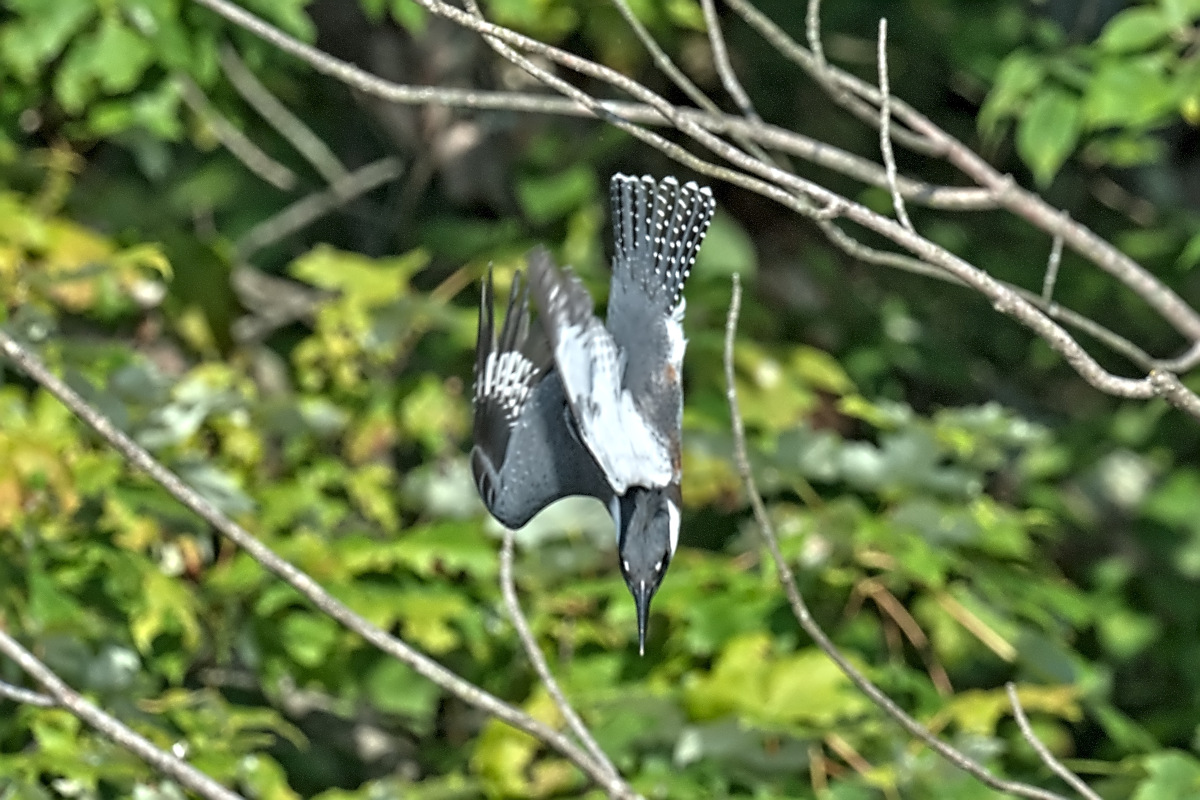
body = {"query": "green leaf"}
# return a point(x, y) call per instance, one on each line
point(167, 606)
point(978, 711)
point(1019, 75)
point(727, 249)
point(395, 688)
point(371, 282)
point(287, 14)
point(548, 199)
point(308, 637)
point(42, 32)
point(749, 681)
point(264, 779)
point(409, 15)
point(121, 56)
point(1180, 13)
point(1190, 256)
point(1134, 29)
point(1174, 775)
point(1048, 132)
point(1130, 92)
point(686, 14)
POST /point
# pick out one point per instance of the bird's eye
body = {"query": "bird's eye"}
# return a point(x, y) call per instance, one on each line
point(625, 564)
point(658, 565)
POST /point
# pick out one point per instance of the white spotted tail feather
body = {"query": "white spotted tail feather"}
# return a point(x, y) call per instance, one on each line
point(507, 371)
point(658, 227)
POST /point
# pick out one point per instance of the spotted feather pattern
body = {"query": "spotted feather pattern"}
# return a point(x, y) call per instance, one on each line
point(508, 381)
point(508, 370)
point(658, 228)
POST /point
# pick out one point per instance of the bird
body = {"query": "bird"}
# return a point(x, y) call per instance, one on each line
point(571, 405)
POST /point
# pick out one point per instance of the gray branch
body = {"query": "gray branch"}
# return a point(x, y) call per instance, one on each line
point(61, 695)
point(301, 581)
point(800, 608)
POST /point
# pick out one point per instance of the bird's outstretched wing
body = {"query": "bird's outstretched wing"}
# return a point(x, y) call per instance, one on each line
point(526, 454)
point(629, 450)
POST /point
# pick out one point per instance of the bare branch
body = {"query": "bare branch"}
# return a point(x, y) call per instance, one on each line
point(236, 142)
point(307, 210)
point(1182, 363)
point(663, 61)
point(307, 143)
point(774, 137)
point(301, 581)
point(885, 128)
point(799, 194)
point(538, 659)
point(815, 65)
point(1168, 386)
point(800, 608)
point(720, 53)
point(812, 30)
point(1052, 265)
point(1072, 780)
point(62, 695)
point(24, 696)
point(1020, 202)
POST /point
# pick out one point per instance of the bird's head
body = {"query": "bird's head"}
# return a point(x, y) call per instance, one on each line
point(647, 534)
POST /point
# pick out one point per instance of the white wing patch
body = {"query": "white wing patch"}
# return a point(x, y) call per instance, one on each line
point(673, 524)
point(628, 450)
point(675, 338)
point(506, 381)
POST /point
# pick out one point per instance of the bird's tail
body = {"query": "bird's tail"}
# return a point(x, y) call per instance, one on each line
point(658, 227)
point(507, 369)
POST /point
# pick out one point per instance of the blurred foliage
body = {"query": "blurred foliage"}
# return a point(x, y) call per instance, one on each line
point(959, 510)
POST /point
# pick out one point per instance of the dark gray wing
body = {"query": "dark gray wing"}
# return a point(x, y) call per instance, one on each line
point(526, 454)
point(629, 451)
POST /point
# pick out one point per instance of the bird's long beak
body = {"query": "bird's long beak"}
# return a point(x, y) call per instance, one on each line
point(641, 598)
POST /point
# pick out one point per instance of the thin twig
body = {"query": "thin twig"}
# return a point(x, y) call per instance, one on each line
point(771, 136)
point(307, 210)
point(1181, 363)
point(685, 84)
point(725, 71)
point(812, 31)
point(885, 128)
point(800, 608)
point(1114, 341)
point(299, 580)
point(1020, 202)
point(895, 610)
point(290, 127)
point(237, 143)
point(813, 61)
point(799, 195)
point(1052, 265)
point(63, 695)
point(538, 659)
point(25, 696)
point(663, 61)
point(1072, 780)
